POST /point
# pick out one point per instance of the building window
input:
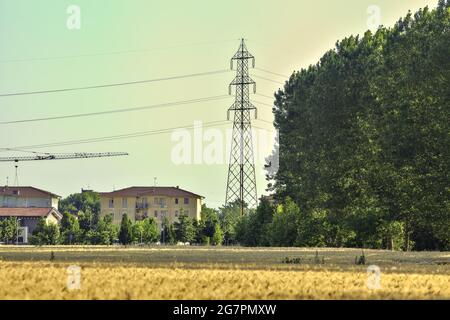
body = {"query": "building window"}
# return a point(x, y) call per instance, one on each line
point(156, 213)
point(186, 212)
point(176, 213)
point(124, 203)
point(161, 202)
point(111, 203)
point(186, 200)
point(176, 200)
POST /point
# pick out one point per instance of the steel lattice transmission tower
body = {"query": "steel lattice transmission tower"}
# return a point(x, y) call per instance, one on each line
point(241, 183)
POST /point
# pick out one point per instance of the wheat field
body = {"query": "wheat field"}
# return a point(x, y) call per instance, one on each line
point(219, 273)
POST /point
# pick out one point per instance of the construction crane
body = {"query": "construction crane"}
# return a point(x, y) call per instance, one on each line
point(55, 156)
point(62, 156)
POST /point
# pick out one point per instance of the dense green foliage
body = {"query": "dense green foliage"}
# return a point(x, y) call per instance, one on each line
point(8, 229)
point(70, 229)
point(252, 229)
point(217, 238)
point(45, 233)
point(145, 231)
point(229, 218)
point(364, 143)
point(86, 201)
point(105, 232)
point(184, 229)
point(168, 235)
point(207, 229)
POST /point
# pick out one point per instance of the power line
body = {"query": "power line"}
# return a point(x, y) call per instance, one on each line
point(119, 52)
point(116, 84)
point(129, 83)
point(274, 73)
point(267, 79)
point(262, 103)
point(266, 121)
point(20, 150)
point(265, 96)
point(117, 137)
point(162, 105)
point(156, 106)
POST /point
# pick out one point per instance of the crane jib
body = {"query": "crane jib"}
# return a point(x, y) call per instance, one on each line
point(63, 156)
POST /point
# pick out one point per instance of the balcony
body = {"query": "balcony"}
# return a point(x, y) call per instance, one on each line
point(142, 206)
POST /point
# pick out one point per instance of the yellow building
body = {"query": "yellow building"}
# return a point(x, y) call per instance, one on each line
point(157, 202)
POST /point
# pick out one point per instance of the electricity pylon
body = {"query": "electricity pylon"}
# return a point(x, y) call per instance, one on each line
point(241, 185)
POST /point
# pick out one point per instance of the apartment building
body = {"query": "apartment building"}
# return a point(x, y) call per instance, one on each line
point(28, 205)
point(157, 202)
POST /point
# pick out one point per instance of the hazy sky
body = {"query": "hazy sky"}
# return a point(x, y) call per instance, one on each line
point(123, 41)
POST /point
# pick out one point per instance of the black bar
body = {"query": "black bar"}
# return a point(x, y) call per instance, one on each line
point(245, 309)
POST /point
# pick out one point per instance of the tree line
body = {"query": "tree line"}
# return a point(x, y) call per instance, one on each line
point(364, 142)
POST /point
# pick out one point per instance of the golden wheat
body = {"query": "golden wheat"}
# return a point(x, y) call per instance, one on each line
point(111, 278)
point(39, 280)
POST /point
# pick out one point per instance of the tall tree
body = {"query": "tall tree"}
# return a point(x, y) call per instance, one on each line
point(70, 229)
point(253, 229)
point(184, 229)
point(285, 224)
point(217, 238)
point(151, 232)
point(8, 229)
point(168, 235)
point(229, 216)
point(125, 233)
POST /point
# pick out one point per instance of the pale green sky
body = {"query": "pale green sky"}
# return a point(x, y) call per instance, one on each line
point(122, 41)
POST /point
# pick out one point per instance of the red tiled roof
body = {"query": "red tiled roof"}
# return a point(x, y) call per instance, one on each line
point(27, 212)
point(25, 192)
point(150, 191)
